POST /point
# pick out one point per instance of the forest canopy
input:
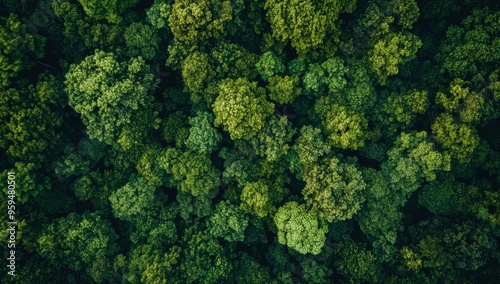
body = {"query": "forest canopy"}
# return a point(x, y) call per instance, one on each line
point(250, 141)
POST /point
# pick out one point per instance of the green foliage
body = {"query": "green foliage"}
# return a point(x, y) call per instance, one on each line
point(113, 99)
point(82, 242)
point(390, 52)
point(314, 272)
point(157, 14)
point(228, 222)
point(471, 49)
point(269, 65)
point(149, 167)
point(132, 200)
point(356, 263)
point(346, 129)
point(241, 108)
point(204, 259)
point(197, 73)
point(232, 60)
point(242, 141)
point(443, 249)
point(380, 216)
point(271, 142)
point(459, 139)
point(174, 128)
point(192, 172)
point(334, 189)
point(255, 199)
point(81, 34)
point(310, 146)
point(300, 229)
point(326, 76)
point(411, 160)
point(109, 9)
point(283, 90)
point(193, 23)
point(32, 124)
point(19, 48)
point(141, 40)
point(33, 183)
point(296, 67)
point(402, 109)
point(249, 271)
point(147, 264)
point(305, 24)
point(203, 137)
point(469, 105)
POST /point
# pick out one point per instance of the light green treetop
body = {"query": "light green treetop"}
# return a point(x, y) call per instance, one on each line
point(300, 229)
point(241, 108)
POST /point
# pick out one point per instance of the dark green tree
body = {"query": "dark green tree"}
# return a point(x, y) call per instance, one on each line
point(84, 243)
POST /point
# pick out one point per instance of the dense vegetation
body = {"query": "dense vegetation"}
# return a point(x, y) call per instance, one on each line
point(247, 141)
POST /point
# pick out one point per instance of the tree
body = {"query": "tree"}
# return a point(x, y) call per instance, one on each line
point(334, 190)
point(109, 9)
point(314, 272)
point(197, 74)
point(203, 137)
point(346, 129)
point(192, 172)
point(380, 216)
point(193, 23)
point(392, 51)
point(459, 139)
point(250, 271)
point(468, 104)
point(255, 199)
point(82, 242)
point(355, 262)
point(132, 200)
point(401, 110)
point(174, 128)
point(32, 120)
point(227, 222)
point(82, 34)
point(27, 174)
point(300, 229)
point(157, 14)
point(113, 99)
point(325, 77)
point(19, 49)
point(271, 142)
point(444, 249)
point(411, 160)
point(310, 146)
point(283, 90)
point(359, 95)
point(269, 65)
point(241, 108)
point(231, 60)
point(469, 49)
point(305, 24)
point(383, 41)
point(239, 167)
point(204, 260)
point(147, 264)
point(141, 40)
